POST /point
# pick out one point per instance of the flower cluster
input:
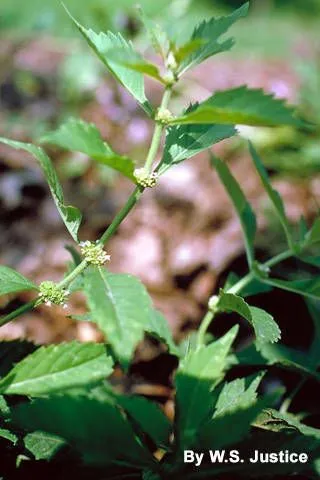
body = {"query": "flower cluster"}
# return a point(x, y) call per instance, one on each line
point(164, 116)
point(50, 293)
point(93, 253)
point(145, 179)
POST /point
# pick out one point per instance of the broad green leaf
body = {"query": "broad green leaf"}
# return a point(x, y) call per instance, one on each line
point(313, 236)
point(209, 32)
point(268, 417)
point(158, 327)
point(102, 43)
point(185, 141)
point(244, 106)
point(197, 374)
point(12, 281)
point(309, 287)
point(97, 430)
point(148, 416)
point(57, 368)
point(120, 306)
point(43, 445)
point(70, 215)
point(246, 216)
point(272, 193)
point(77, 135)
point(238, 393)
point(265, 328)
point(8, 435)
point(232, 425)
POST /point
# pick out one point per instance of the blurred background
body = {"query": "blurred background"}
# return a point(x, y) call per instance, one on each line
point(183, 238)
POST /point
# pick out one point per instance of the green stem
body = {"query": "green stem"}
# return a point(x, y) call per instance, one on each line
point(156, 138)
point(72, 275)
point(207, 319)
point(24, 308)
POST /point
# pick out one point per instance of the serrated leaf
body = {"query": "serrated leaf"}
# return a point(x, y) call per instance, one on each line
point(78, 135)
point(244, 106)
point(246, 215)
point(70, 215)
point(158, 327)
point(148, 416)
point(185, 141)
point(43, 445)
point(265, 328)
point(157, 35)
point(103, 43)
point(272, 193)
point(120, 306)
point(209, 32)
point(12, 281)
point(237, 394)
point(97, 430)
point(57, 368)
point(197, 374)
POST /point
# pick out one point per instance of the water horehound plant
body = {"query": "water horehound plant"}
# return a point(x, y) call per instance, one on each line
point(66, 403)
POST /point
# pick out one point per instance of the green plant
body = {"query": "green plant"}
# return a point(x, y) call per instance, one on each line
point(66, 403)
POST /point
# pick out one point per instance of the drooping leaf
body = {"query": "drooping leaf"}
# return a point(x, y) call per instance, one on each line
point(120, 306)
point(57, 368)
point(238, 393)
point(102, 43)
point(272, 193)
point(244, 106)
point(81, 136)
point(158, 327)
point(148, 416)
point(97, 430)
point(246, 216)
point(43, 445)
point(185, 141)
point(265, 328)
point(198, 372)
point(70, 215)
point(12, 281)
point(209, 32)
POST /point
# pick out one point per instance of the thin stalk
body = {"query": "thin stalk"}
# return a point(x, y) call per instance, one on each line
point(72, 275)
point(207, 319)
point(24, 308)
point(288, 401)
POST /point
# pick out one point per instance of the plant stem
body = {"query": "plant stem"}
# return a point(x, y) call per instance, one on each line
point(207, 319)
point(72, 275)
point(287, 401)
point(24, 308)
point(156, 138)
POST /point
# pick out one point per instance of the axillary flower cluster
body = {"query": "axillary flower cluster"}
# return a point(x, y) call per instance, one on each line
point(145, 179)
point(51, 294)
point(93, 253)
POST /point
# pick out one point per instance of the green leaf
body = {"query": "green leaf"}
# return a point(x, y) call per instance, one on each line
point(185, 141)
point(148, 416)
point(237, 394)
point(70, 215)
point(7, 435)
point(77, 135)
point(197, 374)
point(309, 287)
point(97, 430)
point(243, 106)
point(56, 368)
point(265, 328)
point(43, 445)
point(233, 425)
point(157, 35)
point(12, 281)
point(313, 236)
point(103, 43)
point(209, 32)
point(120, 306)
point(241, 205)
point(272, 193)
point(158, 327)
